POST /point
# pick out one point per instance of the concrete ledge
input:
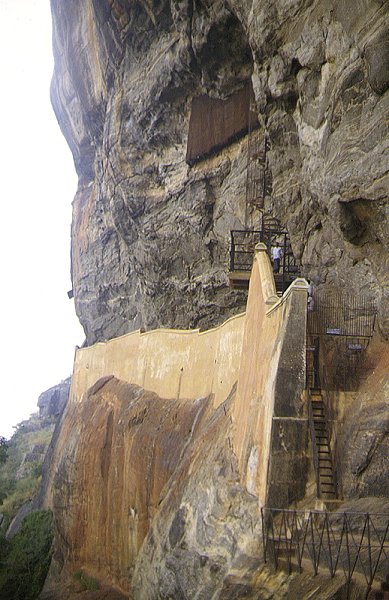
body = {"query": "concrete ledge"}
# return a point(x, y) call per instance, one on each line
point(261, 260)
point(298, 284)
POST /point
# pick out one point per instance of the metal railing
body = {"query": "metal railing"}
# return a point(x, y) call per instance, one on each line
point(349, 543)
point(242, 247)
point(342, 314)
point(243, 243)
point(326, 462)
point(312, 363)
point(339, 329)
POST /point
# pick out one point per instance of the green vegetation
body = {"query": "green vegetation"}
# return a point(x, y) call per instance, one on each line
point(18, 494)
point(3, 450)
point(24, 560)
point(20, 479)
point(86, 581)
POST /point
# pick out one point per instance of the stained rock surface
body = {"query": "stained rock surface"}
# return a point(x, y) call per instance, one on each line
point(52, 401)
point(130, 460)
point(150, 236)
point(364, 440)
point(104, 499)
point(148, 505)
point(147, 496)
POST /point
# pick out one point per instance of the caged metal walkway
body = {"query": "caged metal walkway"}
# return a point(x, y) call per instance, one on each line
point(342, 314)
point(352, 543)
point(242, 253)
point(339, 329)
point(258, 188)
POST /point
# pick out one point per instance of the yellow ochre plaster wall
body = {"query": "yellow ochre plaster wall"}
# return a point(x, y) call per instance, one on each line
point(171, 363)
point(259, 387)
point(251, 349)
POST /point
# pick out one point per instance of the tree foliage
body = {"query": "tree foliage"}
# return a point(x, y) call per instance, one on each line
point(3, 450)
point(26, 560)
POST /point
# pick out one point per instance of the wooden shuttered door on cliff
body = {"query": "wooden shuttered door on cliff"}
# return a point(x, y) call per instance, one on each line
point(216, 123)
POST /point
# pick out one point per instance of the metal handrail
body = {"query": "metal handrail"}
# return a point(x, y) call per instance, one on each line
point(342, 315)
point(243, 242)
point(350, 543)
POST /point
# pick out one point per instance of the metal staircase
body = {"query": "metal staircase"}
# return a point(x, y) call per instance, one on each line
point(259, 226)
point(338, 332)
point(324, 466)
point(256, 183)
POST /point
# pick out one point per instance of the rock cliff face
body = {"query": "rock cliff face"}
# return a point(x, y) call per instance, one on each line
point(158, 478)
point(100, 508)
point(97, 504)
point(364, 440)
point(151, 233)
point(52, 401)
point(148, 499)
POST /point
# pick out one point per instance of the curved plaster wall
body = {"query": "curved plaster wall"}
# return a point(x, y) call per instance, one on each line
point(172, 363)
point(271, 433)
point(120, 450)
point(263, 350)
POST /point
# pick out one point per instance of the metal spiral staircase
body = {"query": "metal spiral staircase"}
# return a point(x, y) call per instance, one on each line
point(269, 230)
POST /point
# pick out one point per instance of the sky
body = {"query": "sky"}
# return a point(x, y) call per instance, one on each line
point(40, 329)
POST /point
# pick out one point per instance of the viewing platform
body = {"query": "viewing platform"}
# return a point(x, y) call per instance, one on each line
point(242, 248)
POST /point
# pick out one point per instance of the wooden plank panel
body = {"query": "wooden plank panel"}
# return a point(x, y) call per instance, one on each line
point(216, 123)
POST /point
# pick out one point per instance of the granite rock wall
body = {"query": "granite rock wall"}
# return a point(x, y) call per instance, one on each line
point(52, 401)
point(177, 480)
point(150, 234)
point(363, 441)
point(150, 242)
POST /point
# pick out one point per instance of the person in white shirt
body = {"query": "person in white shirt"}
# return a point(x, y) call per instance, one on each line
point(276, 253)
point(310, 296)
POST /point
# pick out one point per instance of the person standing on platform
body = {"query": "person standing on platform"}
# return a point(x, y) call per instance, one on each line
point(310, 296)
point(276, 253)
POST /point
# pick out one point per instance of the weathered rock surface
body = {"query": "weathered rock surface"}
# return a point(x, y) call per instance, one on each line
point(52, 401)
point(149, 491)
point(154, 461)
point(156, 509)
point(151, 234)
point(364, 441)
